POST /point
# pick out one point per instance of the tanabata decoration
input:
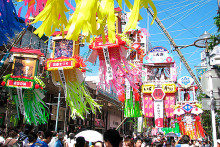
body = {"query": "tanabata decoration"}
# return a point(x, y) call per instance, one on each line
point(132, 104)
point(25, 87)
point(34, 7)
point(9, 21)
point(130, 96)
point(67, 68)
point(84, 17)
point(113, 66)
point(188, 109)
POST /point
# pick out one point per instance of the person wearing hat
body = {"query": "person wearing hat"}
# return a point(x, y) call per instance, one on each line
point(59, 142)
point(112, 138)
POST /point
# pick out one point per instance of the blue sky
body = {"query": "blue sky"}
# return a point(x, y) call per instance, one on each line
point(185, 20)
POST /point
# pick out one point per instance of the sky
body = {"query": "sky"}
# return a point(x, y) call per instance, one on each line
point(185, 20)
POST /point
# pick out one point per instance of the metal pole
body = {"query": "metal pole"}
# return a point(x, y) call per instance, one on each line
point(58, 106)
point(121, 123)
point(65, 122)
point(212, 112)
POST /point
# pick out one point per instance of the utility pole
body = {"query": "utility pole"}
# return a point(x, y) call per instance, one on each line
point(182, 58)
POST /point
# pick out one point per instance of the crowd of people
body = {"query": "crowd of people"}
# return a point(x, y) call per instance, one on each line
point(28, 137)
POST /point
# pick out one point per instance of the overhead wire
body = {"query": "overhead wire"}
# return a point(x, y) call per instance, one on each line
point(197, 22)
point(183, 29)
point(168, 9)
point(187, 14)
point(176, 14)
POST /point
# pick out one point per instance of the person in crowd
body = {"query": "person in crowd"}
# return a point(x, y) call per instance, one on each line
point(70, 142)
point(138, 141)
point(218, 142)
point(45, 141)
point(53, 140)
point(200, 142)
point(80, 142)
point(2, 139)
point(147, 142)
point(12, 138)
point(205, 144)
point(32, 138)
point(23, 137)
point(112, 138)
point(40, 135)
point(128, 142)
point(98, 144)
point(183, 141)
point(20, 130)
point(59, 142)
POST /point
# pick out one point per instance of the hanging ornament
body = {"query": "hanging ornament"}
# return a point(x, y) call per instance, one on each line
point(9, 21)
point(111, 57)
point(84, 17)
point(23, 86)
point(67, 68)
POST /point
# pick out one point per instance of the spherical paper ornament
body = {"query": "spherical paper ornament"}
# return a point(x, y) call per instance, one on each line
point(37, 86)
point(3, 83)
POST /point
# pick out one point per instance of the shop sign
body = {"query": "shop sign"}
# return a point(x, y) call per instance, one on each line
point(23, 84)
point(158, 114)
point(159, 49)
point(148, 88)
point(61, 64)
point(128, 89)
point(109, 73)
point(186, 81)
point(169, 88)
point(158, 94)
point(158, 54)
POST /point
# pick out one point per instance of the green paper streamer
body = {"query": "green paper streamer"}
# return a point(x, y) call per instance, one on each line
point(77, 99)
point(132, 109)
point(35, 111)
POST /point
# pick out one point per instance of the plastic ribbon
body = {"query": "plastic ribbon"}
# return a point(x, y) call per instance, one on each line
point(35, 110)
point(77, 96)
point(84, 17)
point(8, 21)
point(53, 17)
point(4, 58)
point(200, 128)
point(20, 100)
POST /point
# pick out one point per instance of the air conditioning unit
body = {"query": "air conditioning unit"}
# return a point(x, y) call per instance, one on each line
point(215, 60)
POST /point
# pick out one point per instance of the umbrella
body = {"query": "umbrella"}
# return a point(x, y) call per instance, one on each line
point(90, 135)
point(171, 134)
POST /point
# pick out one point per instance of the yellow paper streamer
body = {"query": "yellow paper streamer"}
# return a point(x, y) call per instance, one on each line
point(84, 19)
point(53, 17)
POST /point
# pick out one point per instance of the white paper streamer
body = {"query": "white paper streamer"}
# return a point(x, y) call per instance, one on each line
point(62, 77)
point(20, 100)
point(109, 73)
point(128, 88)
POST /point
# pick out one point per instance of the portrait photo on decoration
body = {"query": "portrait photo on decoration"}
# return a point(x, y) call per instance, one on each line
point(63, 48)
point(24, 67)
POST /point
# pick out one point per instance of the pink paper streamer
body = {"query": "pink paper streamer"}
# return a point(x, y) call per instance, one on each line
point(68, 4)
point(148, 106)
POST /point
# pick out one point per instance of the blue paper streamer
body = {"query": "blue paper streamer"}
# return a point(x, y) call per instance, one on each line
point(9, 21)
